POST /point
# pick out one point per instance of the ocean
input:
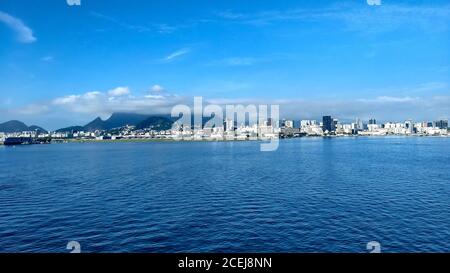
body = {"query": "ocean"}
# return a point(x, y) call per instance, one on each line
point(311, 195)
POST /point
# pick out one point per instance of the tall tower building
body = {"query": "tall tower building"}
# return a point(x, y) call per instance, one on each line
point(328, 124)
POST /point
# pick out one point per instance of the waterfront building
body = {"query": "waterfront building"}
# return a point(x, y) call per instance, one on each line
point(328, 124)
point(441, 124)
point(289, 124)
point(359, 124)
point(372, 127)
point(409, 127)
point(229, 125)
point(304, 123)
point(335, 123)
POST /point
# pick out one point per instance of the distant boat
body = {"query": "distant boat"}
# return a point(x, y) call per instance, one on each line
point(11, 141)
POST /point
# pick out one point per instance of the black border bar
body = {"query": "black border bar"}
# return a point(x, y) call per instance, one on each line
point(235, 262)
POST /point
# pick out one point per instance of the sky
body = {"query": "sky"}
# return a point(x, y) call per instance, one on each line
point(64, 64)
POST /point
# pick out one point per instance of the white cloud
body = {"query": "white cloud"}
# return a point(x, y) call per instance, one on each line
point(66, 100)
point(102, 103)
point(24, 33)
point(383, 108)
point(119, 91)
point(157, 88)
point(157, 97)
point(177, 54)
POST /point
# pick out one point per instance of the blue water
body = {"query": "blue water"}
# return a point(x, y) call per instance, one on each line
point(312, 195)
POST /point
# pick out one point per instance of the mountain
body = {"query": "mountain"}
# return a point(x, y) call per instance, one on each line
point(96, 124)
point(118, 120)
point(122, 119)
point(37, 128)
point(15, 126)
point(156, 123)
point(71, 129)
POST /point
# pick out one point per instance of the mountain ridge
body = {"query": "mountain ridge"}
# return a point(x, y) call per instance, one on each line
point(16, 126)
point(118, 120)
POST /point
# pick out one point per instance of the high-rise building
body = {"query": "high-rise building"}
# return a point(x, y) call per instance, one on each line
point(409, 126)
point(359, 124)
point(372, 121)
point(229, 125)
point(328, 124)
point(335, 123)
point(441, 124)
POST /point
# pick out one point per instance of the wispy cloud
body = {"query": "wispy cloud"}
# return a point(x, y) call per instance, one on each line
point(386, 17)
point(236, 61)
point(389, 99)
point(177, 54)
point(427, 88)
point(227, 14)
point(47, 59)
point(161, 28)
point(33, 109)
point(431, 87)
point(24, 33)
point(124, 25)
point(383, 108)
point(164, 28)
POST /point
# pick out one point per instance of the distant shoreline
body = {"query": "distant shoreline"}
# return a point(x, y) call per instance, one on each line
point(146, 140)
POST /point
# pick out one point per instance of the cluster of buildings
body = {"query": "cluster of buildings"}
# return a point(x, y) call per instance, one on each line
point(329, 126)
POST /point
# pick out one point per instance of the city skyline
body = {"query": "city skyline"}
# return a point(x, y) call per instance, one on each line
point(129, 121)
point(348, 58)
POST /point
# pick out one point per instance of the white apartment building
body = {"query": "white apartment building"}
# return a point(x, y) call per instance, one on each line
point(289, 124)
point(305, 123)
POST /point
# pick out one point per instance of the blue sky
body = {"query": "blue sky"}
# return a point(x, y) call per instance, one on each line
point(62, 65)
